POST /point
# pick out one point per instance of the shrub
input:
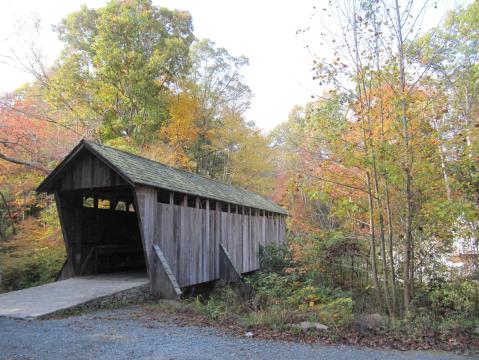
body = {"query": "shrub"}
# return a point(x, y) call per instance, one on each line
point(275, 317)
point(221, 304)
point(267, 287)
point(212, 308)
point(274, 258)
point(457, 297)
point(337, 313)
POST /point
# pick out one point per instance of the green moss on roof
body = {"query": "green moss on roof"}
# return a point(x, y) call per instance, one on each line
point(148, 172)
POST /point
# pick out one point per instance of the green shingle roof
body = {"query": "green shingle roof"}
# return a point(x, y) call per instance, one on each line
point(148, 172)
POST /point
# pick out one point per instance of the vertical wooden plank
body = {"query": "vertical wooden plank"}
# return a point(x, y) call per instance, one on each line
point(268, 229)
point(263, 228)
point(146, 211)
point(68, 270)
point(274, 228)
point(255, 234)
point(238, 239)
point(277, 216)
point(158, 228)
point(234, 238)
point(86, 165)
point(222, 227)
point(245, 238)
point(168, 225)
point(196, 242)
point(218, 238)
point(207, 273)
point(177, 237)
point(164, 234)
point(251, 240)
point(255, 238)
point(184, 249)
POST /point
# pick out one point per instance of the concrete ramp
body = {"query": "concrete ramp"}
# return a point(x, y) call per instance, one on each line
point(65, 294)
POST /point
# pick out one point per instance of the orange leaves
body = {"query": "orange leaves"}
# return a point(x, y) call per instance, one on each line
point(28, 136)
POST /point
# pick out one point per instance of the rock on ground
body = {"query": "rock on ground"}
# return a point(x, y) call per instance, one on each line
point(306, 325)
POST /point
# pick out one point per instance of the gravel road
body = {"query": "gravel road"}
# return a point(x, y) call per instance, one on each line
point(120, 334)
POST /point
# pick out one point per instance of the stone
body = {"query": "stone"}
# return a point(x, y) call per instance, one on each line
point(249, 334)
point(306, 325)
point(370, 321)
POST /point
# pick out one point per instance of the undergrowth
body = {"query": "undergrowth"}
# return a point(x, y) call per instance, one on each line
point(281, 295)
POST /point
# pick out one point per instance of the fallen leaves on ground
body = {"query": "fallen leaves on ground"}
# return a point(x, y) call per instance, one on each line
point(458, 343)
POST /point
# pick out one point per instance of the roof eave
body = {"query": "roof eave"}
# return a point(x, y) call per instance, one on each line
point(45, 185)
point(277, 209)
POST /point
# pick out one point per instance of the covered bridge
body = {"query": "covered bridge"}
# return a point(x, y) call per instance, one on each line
point(119, 212)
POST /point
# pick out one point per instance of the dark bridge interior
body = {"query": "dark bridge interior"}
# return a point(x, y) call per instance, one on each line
point(102, 231)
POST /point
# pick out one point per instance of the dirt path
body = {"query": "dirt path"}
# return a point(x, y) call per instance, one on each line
point(122, 334)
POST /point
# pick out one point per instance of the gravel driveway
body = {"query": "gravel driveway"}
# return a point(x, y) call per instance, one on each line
point(120, 334)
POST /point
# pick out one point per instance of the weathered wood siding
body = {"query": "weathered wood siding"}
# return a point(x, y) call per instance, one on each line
point(87, 171)
point(190, 237)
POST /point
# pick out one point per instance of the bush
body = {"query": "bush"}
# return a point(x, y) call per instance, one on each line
point(274, 258)
point(457, 297)
point(337, 313)
point(291, 297)
point(447, 307)
point(271, 288)
point(221, 304)
point(212, 308)
point(274, 317)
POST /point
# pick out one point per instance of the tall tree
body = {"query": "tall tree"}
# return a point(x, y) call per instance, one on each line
point(118, 66)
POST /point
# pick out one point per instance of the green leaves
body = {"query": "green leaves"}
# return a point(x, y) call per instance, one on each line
point(118, 65)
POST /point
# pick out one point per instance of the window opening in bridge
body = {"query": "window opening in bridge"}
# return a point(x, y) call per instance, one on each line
point(120, 206)
point(88, 202)
point(163, 197)
point(103, 204)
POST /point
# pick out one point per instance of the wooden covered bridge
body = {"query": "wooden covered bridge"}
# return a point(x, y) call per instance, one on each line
point(120, 212)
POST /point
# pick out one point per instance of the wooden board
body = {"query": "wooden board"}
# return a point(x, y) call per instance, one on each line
point(190, 237)
point(87, 171)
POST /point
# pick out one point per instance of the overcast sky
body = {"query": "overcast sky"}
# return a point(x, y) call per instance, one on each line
point(264, 31)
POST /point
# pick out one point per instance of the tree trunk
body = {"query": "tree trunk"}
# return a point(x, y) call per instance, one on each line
point(407, 165)
point(372, 239)
point(10, 216)
point(390, 245)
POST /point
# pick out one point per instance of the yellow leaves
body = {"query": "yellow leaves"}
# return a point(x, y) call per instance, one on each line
point(249, 155)
point(184, 110)
point(181, 131)
point(169, 155)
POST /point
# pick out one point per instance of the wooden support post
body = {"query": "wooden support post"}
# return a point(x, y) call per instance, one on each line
point(164, 284)
point(218, 238)
point(67, 271)
point(207, 254)
point(228, 270)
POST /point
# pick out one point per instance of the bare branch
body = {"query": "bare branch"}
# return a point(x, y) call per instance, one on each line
point(25, 163)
